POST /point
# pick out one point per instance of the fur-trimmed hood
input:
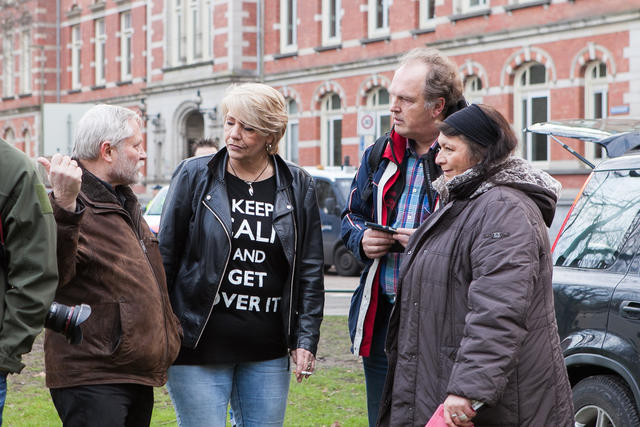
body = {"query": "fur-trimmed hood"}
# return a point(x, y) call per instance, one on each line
point(513, 172)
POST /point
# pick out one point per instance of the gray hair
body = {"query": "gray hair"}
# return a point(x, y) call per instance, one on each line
point(102, 123)
point(443, 80)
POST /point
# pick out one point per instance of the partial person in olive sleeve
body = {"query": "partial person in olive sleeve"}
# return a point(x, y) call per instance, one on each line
point(29, 273)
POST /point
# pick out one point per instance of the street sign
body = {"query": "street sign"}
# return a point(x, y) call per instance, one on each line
point(366, 123)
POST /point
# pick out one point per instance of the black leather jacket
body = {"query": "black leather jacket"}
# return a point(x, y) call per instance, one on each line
point(195, 244)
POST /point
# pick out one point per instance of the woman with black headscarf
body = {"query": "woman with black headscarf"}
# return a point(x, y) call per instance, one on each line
point(474, 320)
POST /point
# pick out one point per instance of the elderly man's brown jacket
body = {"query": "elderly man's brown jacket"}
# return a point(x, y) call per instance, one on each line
point(108, 258)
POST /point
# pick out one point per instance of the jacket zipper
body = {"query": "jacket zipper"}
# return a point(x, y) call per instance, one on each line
point(293, 270)
point(162, 301)
point(135, 229)
point(221, 277)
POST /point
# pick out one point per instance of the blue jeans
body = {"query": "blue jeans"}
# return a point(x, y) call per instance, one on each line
point(3, 392)
point(375, 365)
point(257, 391)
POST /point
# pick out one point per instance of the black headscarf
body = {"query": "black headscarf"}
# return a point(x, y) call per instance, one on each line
point(473, 123)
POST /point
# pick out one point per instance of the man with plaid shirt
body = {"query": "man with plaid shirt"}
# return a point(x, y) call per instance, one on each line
point(395, 190)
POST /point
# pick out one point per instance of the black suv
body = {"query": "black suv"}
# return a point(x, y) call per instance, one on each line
point(596, 276)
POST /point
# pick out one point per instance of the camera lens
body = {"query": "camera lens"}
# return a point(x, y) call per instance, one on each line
point(67, 319)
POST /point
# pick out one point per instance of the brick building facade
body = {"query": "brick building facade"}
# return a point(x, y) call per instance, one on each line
point(534, 60)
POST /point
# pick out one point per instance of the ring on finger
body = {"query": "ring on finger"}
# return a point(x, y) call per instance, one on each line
point(454, 415)
point(463, 417)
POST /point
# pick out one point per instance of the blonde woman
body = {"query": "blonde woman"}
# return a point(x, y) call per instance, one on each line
point(241, 243)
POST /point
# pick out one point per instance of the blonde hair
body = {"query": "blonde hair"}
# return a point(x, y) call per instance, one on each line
point(258, 106)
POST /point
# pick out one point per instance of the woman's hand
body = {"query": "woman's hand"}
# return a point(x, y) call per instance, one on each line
point(402, 235)
point(305, 363)
point(458, 411)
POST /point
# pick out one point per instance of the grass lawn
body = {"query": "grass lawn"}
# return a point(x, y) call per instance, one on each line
point(333, 396)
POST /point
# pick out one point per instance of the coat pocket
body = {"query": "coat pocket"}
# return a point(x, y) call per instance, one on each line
point(102, 331)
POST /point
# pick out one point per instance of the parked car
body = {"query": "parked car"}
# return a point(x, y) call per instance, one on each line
point(596, 276)
point(332, 189)
point(154, 208)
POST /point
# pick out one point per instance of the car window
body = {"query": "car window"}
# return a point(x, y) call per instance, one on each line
point(344, 186)
point(155, 207)
point(323, 192)
point(601, 222)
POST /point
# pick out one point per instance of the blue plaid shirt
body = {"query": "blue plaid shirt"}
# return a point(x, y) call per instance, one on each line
point(412, 209)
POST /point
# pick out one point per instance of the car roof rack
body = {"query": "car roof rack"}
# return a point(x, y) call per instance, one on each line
point(617, 136)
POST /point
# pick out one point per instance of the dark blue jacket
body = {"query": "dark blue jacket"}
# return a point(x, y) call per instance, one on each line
point(388, 183)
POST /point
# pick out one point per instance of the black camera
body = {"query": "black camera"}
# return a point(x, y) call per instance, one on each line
point(66, 320)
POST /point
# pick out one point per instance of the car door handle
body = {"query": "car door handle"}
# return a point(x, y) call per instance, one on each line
point(630, 309)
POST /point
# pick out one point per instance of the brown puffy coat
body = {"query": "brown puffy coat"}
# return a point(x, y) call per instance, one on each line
point(108, 258)
point(475, 315)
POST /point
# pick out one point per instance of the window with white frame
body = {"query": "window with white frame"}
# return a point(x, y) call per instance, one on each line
point(126, 52)
point(7, 59)
point(25, 62)
point(100, 51)
point(473, 89)
point(519, 2)
point(291, 136)
point(179, 33)
point(331, 132)
point(532, 106)
point(9, 136)
point(76, 56)
point(596, 101)
point(331, 15)
point(288, 26)
point(378, 103)
point(378, 18)
point(468, 6)
point(190, 24)
point(196, 29)
point(427, 12)
point(28, 149)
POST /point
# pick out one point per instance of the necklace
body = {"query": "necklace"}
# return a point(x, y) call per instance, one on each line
point(249, 183)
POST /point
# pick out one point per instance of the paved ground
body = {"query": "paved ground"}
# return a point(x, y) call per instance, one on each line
point(338, 291)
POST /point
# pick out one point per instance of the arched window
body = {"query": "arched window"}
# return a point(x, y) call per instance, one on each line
point(473, 89)
point(596, 100)
point(291, 136)
point(30, 150)
point(531, 105)
point(194, 131)
point(331, 132)
point(9, 136)
point(378, 104)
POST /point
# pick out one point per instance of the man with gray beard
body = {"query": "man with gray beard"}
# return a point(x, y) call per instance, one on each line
point(107, 258)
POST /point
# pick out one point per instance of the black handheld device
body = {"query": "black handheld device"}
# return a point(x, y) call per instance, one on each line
point(380, 227)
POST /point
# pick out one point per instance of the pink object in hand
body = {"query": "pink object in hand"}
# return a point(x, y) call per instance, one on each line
point(437, 420)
